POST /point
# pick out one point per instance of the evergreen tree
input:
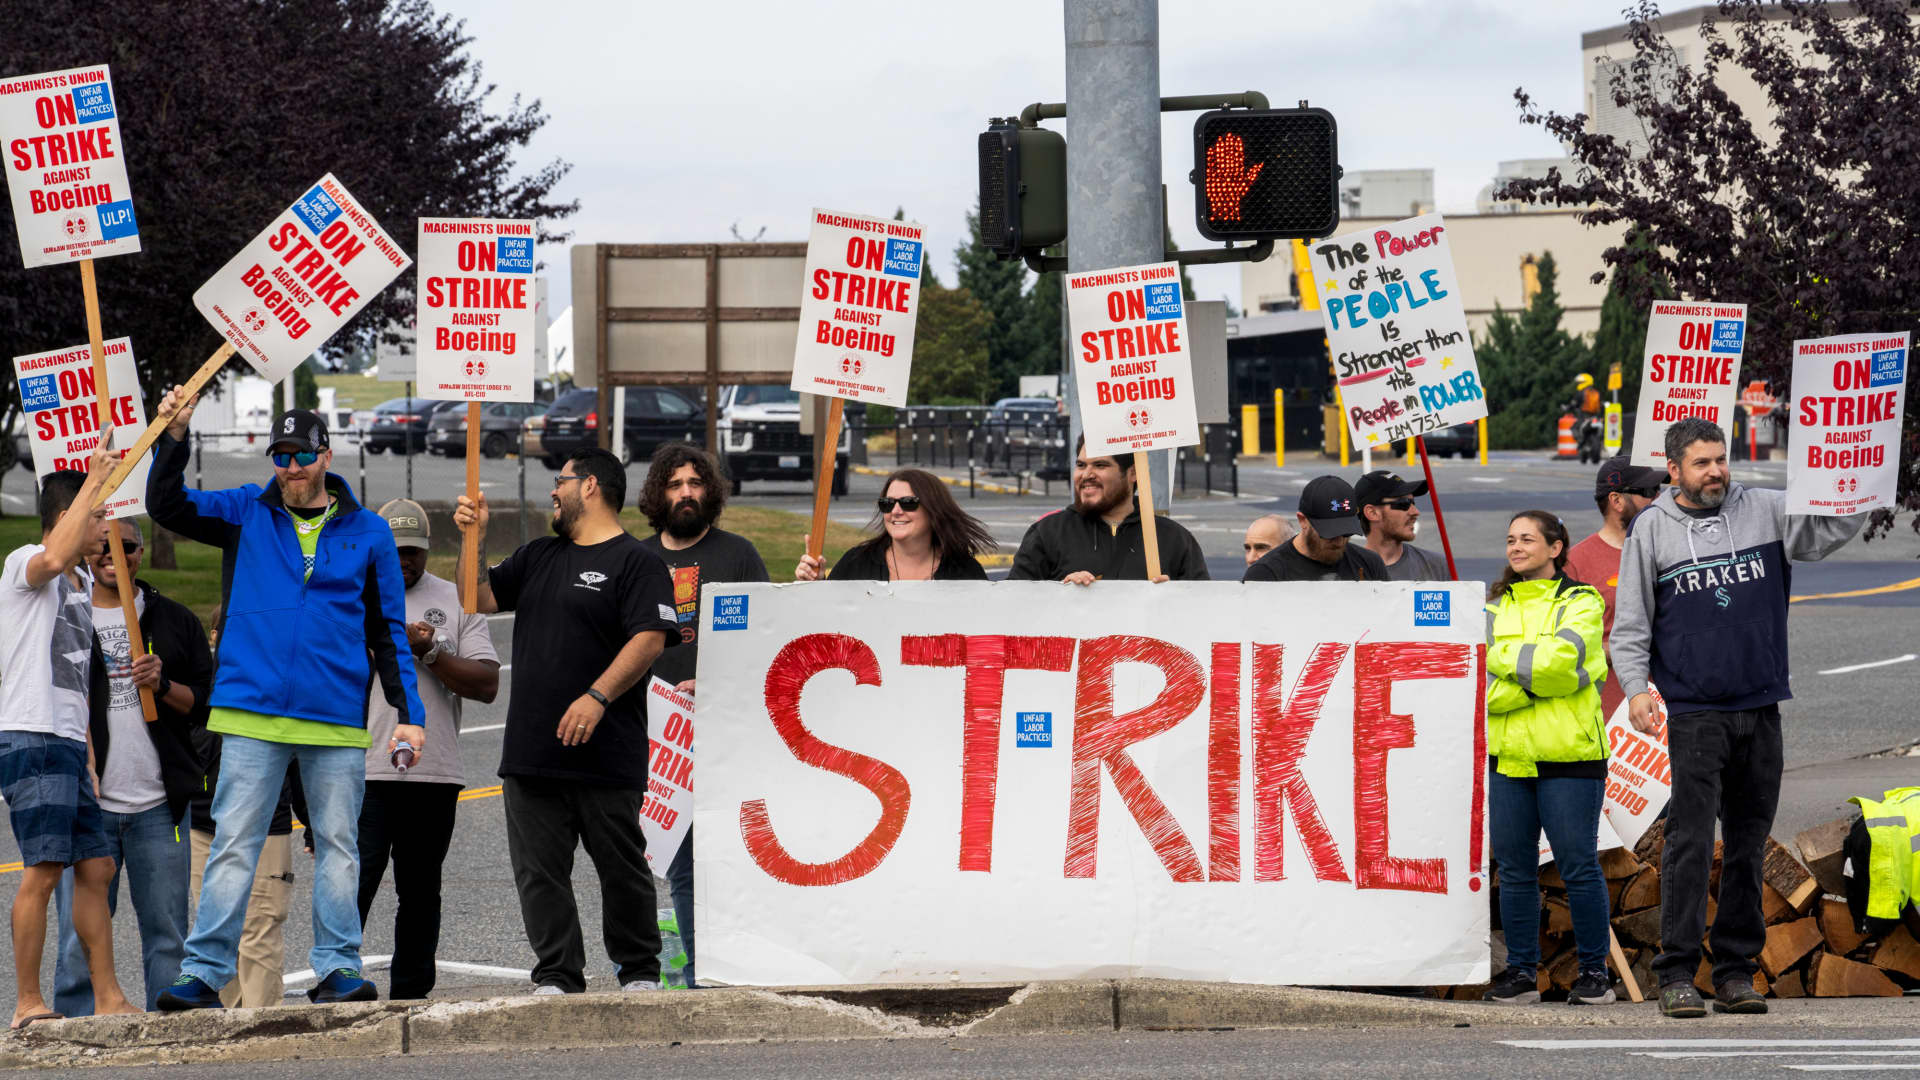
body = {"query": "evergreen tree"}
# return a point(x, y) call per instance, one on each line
point(950, 357)
point(1528, 363)
point(1000, 288)
point(1040, 327)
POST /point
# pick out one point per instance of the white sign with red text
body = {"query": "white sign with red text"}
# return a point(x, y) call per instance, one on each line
point(1639, 776)
point(858, 307)
point(1397, 331)
point(476, 309)
point(1849, 395)
point(1691, 368)
point(59, 402)
point(667, 811)
point(296, 284)
point(1133, 366)
point(954, 781)
point(65, 168)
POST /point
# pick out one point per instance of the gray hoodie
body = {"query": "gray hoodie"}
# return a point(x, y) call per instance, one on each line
point(1701, 609)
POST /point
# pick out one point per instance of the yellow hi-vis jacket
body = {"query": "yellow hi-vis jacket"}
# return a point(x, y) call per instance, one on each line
point(1545, 664)
point(1893, 871)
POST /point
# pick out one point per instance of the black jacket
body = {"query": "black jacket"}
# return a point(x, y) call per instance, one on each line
point(1067, 541)
point(868, 562)
point(175, 635)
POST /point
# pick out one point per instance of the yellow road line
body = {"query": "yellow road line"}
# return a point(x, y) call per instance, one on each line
point(1879, 590)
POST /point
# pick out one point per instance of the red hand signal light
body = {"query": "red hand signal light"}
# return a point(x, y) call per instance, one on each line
point(1228, 178)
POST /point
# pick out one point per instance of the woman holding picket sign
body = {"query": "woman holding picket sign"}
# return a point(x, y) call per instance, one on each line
point(1547, 744)
point(923, 536)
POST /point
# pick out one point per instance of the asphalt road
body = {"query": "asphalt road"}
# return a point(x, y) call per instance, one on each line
point(1837, 717)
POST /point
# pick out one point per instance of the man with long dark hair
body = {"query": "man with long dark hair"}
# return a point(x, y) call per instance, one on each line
point(1100, 535)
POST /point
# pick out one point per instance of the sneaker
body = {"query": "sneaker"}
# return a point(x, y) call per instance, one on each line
point(638, 985)
point(1737, 995)
point(1681, 1001)
point(1515, 986)
point(1592, 988)
point(343, 984)
point(188, 992)
point(547, 990)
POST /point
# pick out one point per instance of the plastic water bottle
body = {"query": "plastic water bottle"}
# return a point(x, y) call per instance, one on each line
point(403, 756)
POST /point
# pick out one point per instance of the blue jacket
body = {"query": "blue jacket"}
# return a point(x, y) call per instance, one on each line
point(308, 648)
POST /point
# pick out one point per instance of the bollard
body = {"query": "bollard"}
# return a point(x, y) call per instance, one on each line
point(1340, 401)
point(1412, 459)
point(1250, 427)
point(1482, 425)
point(1279, 430)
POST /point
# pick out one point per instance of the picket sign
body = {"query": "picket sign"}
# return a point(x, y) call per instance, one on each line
point(59, 401)
point(1691, 367)
point(950, 781)
point(666, 813)
point(1849, 395)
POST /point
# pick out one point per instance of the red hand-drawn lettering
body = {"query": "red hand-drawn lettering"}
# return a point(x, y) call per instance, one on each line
point(1280, 733)
point(1223, 765)
point(1377, 730)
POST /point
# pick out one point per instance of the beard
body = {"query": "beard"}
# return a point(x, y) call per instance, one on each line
point(565, 516)
point(1106, 502)
point(689, 518)
point(1704, 499)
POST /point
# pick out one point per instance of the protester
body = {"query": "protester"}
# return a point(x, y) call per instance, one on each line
point(1547, 744)
point(147, 772)
point(46, 766)
point(1391, 519)
point(1702, 613)
point(307, 567)
point(408, 816)
point(594, 608)
point(922, 535)
point(682, 499)
point(1621, 490)
point(1320, 551)
point(1265, 534)
point(1099, 536)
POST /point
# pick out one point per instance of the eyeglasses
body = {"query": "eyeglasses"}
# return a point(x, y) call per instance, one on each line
point(561, 479)
point(1645, 493)
point(302, 458)
point(909, 503)
point(1398, 504)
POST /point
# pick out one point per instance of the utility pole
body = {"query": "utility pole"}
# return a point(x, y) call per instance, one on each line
point(1114, 209)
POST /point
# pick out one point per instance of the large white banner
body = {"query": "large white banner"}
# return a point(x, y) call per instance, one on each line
point(1691, 368)
point(66, 166)
point(951, 781)
point(58, 399)
point(1397, 331)
point(1849, 395)
point(476, 309)
point(858, 308)
point(296, 284)
point(1134, 364)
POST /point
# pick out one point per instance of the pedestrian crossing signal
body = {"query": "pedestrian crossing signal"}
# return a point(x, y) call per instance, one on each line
point(1266, 174)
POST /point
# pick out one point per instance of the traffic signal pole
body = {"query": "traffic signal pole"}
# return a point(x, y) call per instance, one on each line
point(1113, 164)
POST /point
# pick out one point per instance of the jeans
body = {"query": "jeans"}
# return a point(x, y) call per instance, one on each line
point(1725, 764)
point(1568, 808)
point(251, 774)
point(546, 821)
point(680, 884)
point(413, 824)
point(153, 853)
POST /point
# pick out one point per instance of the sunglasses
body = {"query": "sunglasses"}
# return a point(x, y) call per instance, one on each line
point(302, 458)
point(909, 503)
point(1398, 504)
point(1645, 493)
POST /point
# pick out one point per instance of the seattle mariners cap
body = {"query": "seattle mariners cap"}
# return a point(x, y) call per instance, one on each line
point(298, 429)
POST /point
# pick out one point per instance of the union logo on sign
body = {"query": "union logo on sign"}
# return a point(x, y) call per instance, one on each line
point(1138, 418)
point(255, 321)
point(1846, 485)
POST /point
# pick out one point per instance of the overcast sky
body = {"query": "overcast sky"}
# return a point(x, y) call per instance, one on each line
point(682, 119)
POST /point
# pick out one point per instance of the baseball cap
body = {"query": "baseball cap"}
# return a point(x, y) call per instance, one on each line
point(302, 429)
point(1380, 485)
point(408, 522)
point(1619, 473)
point(1328, 504)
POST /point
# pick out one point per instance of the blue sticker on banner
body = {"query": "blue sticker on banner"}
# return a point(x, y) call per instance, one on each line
point(38, 392)
point(1889, 368)
point(1163, 300)
point(1431, 607)
point(317, 209)
point(903, 258)
point(92, 104)
point(729, 613)
point(116, 220)
point(1728, 334)
point(513, 255)
point(1033, 729)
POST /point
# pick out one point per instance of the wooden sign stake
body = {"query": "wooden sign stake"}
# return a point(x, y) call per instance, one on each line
point(470, 539)
point(823, 477)
point(159, 423)
point(1149, 528)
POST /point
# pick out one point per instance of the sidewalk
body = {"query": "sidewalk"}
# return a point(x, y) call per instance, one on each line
point(386, 1029)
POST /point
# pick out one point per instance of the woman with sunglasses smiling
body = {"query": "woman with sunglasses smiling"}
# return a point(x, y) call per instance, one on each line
point(923, 536)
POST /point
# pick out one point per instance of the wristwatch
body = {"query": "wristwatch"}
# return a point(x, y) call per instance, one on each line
point(441, 646)
point(599, 697)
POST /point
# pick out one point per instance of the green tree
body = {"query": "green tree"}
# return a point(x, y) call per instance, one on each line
point(1622, 337)
point(1000, 289)
point(306, 388)
point(950, 355)
point(1528, 363)
point(1040, 327)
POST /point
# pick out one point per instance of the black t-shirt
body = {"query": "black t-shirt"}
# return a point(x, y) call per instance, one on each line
point(868, 562)
point(719, 556)
point(577, 607)
point(1285, 563)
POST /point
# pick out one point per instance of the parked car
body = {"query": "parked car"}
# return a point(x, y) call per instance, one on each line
point(401, 425)
point(654, 414)
point(499, 426)
point(761, 439)
point(531, 431)
point(1460, 440)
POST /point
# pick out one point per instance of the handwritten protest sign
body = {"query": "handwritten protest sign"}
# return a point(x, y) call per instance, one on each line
point(296, 284)
point(475, 309)
point(952, 781)
point(1639, 776)
point(1849, 395)
point(667, 811)
point(857, 313)
point(1691, 368)
point(58, 397)
point(1134, 362)
point(65, 171)
point(1397, 331)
